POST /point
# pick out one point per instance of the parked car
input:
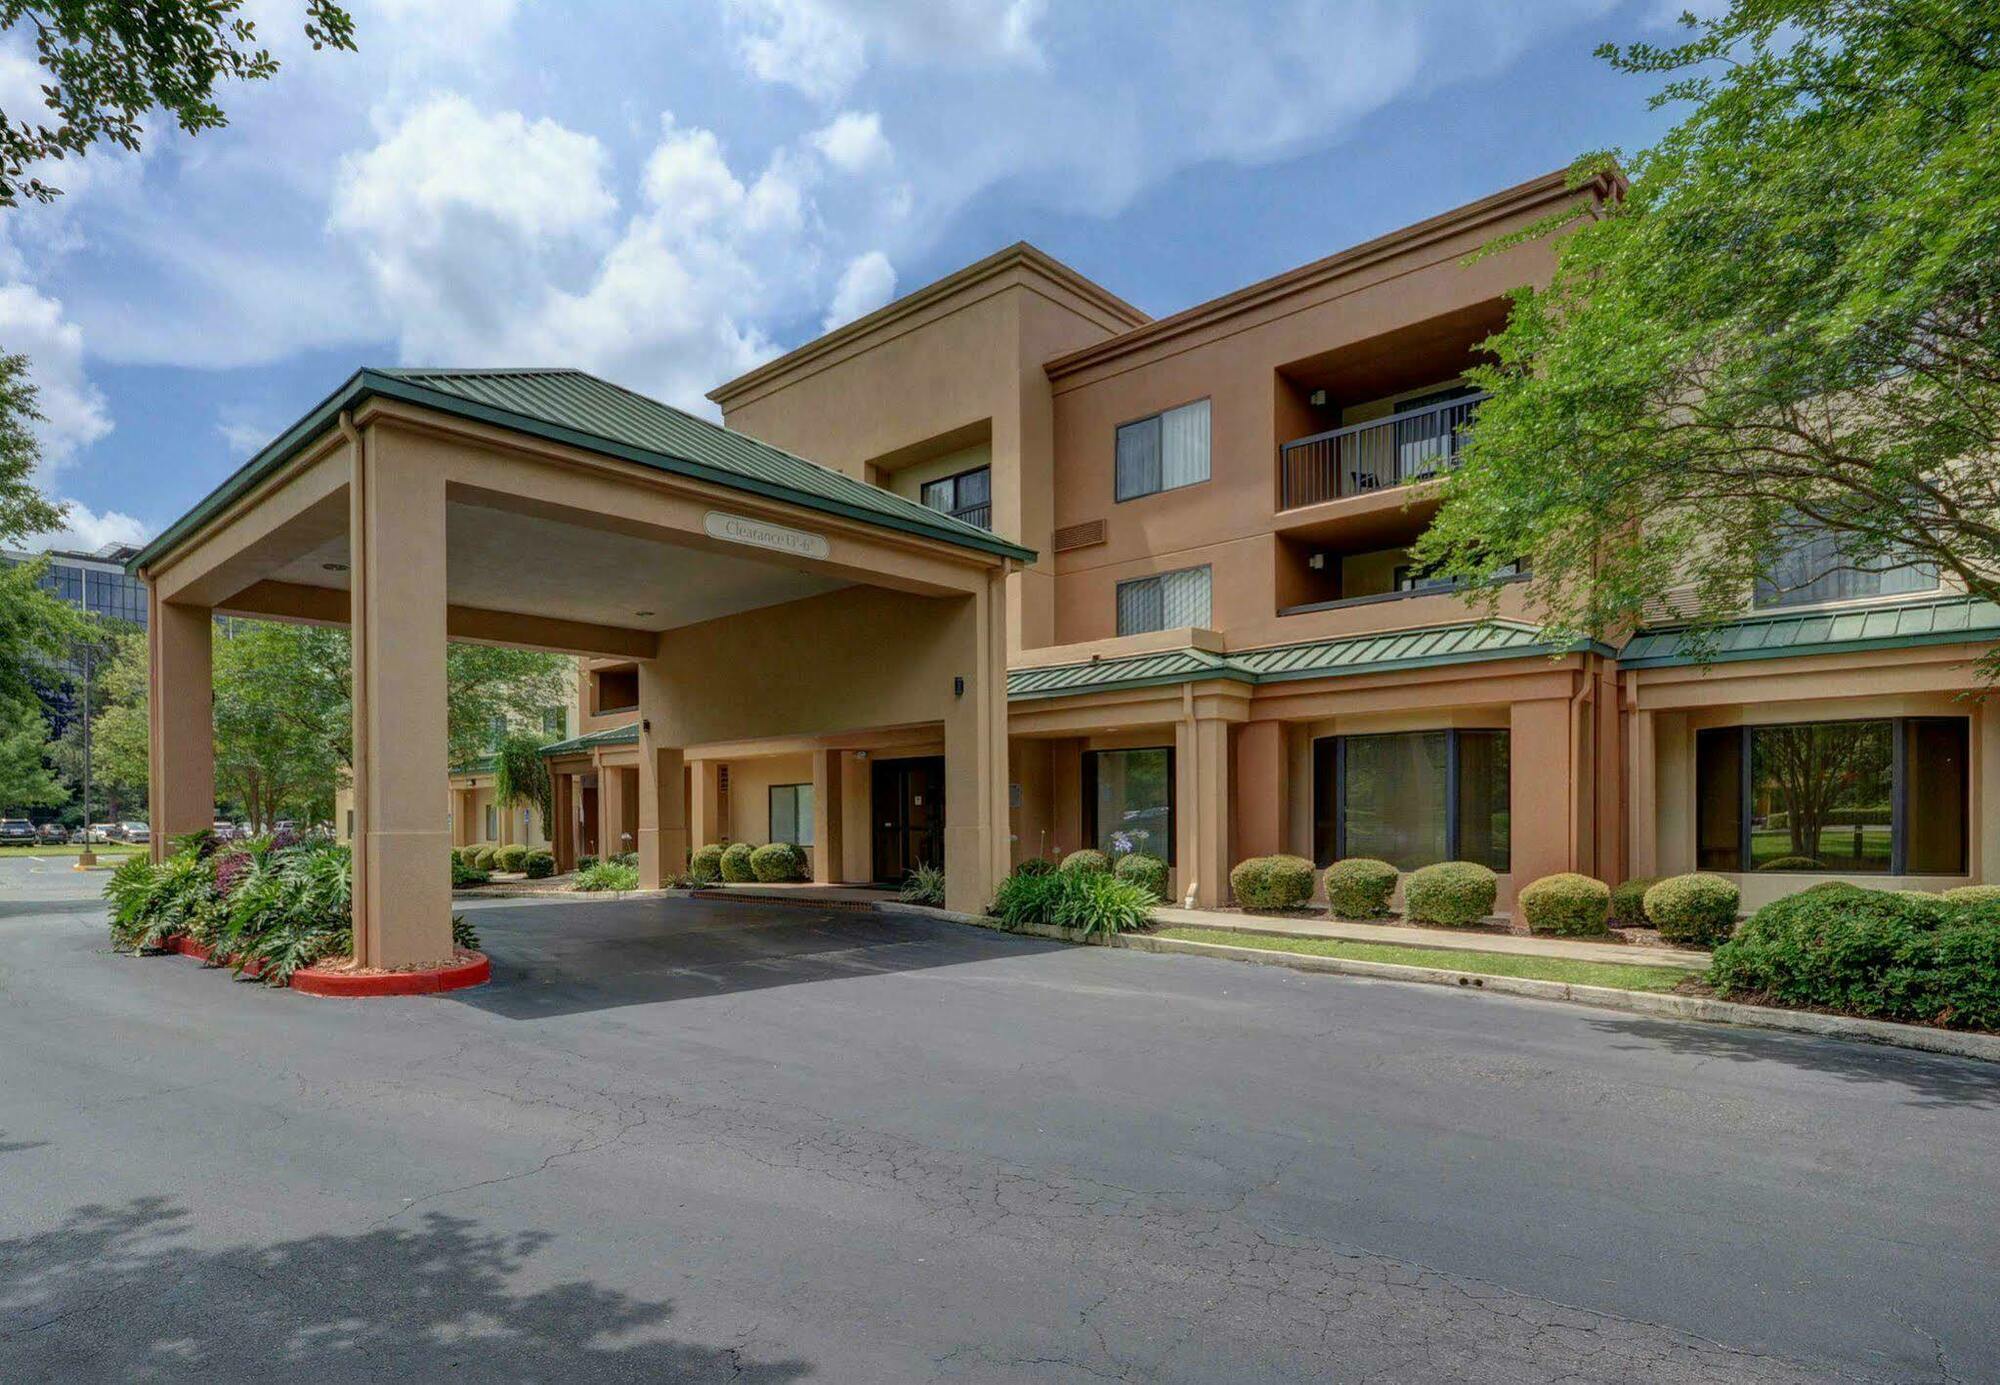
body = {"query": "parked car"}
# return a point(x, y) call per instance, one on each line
point(53, 834)
point(17, 832)
point(101, 832)
point(135, 832)
point(225, 831)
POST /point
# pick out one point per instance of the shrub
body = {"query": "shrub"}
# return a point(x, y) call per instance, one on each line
point(510, 859)
point(151, 904)
point(1088, 859)
point(606, 875)
point(539, 865)
point(1453, 893)
point(1693, 909)
point(1876, 953)
point(585, 862)
point(480, 857)
point(294, 906)
point(1566, 903)
point(1971, 894)
point(625, 858)
point(736, 868)
point(778, 861)
point(1360, 888)
point(925, 885)
point(1087, 900)
point(705, 865)
point(1628, 901)
point(1272, 882)
point(1145, 870)
point(1036, 865)
point(463, 873)
point(1791, 863)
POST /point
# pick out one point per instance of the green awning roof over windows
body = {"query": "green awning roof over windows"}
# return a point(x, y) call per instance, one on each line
point(1782, 635)
point(584, 744)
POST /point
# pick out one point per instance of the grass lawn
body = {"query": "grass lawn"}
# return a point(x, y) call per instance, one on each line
point(1620, 974)
point(102, 849)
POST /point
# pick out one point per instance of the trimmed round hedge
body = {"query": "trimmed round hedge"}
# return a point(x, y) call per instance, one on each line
point(480, 857)
point(1566, 903)
point(1360, 888)
point(1090, 859)
point(736, 868)
point(1884, 954)
point(1272, 882)
point(539, 865)
point(705, 865)
point(1628, 901)
point(511, 858)
point(778, 861)
point(1972, 894)
point(1145, 870)
point(1452, 893)
point(1697, 909)
point(1792, 863)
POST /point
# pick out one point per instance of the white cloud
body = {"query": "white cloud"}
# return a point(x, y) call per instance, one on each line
point(243, 434)
point(821, 47)
point(866, 284)
point(75, 413)
point(853, 142)
point(88, 530)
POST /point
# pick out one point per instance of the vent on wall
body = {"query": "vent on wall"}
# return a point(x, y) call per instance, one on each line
point(1078, 535)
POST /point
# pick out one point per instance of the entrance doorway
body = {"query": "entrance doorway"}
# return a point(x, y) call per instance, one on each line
point(587, 797)
point(908, 799)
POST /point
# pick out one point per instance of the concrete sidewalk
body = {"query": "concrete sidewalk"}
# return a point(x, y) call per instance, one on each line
point(1575, 949)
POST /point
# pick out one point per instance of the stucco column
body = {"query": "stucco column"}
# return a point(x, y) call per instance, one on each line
point(562, 825)
point(829, 850)
point(610, 811)
point(1259, 785)
point(182, 754)
point(1541, 790)
point(975, 751)
point(1201, 810)
point(1066, 798)
point(396, 538)
point(1642, 796)
point(663, 806)
point(705, 824)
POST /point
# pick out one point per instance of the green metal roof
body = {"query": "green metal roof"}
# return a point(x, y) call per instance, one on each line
point(576, 745)
point(1429, 647)
point(580, 410)
point(1780, 635)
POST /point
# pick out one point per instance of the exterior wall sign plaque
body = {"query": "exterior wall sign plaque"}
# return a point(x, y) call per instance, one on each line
point(760, 534)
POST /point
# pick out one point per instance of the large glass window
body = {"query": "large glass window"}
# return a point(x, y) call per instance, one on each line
point(1169, 601)
point(1163, 451)
point(1815, 569)
point(1412, 798)
point(1875, 797)
point(792, 814)
point(1128, 801)
point(967, 496)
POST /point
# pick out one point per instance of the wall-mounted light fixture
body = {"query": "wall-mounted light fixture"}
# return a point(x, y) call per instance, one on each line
point(646, 724)
point(958, 687)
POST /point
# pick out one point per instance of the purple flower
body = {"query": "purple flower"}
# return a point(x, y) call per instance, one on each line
point(229, 869)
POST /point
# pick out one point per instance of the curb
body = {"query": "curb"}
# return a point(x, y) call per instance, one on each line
point(476, 971)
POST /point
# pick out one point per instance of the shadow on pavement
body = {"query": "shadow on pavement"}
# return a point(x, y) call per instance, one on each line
point(553, 960)
point(114, 1293)
point(1931, 1079)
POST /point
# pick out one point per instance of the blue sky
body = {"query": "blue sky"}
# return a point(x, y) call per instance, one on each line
point(668, 194)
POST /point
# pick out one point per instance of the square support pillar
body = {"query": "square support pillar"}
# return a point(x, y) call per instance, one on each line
point(1541, 791)
point(828, 863)
point(705, 824)
point(396, 539)
point(975, 752)
point(1262, 769)
point(1201, 805)
point(182, 752)
point(562, 826)
point(663, 797)
point(1642, 789)
point(610, 811)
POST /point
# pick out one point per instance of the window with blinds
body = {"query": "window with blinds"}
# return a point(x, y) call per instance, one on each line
point(1163, 451)
point(1168, 601)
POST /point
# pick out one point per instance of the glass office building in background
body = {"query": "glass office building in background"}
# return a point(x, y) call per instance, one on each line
point(94, 582)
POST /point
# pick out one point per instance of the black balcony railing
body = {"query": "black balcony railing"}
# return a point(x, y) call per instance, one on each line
point(1394, 451)
point(979, 516)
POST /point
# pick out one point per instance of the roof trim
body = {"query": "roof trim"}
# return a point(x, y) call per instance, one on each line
point(1549, 187)
point(1018, 255)
point(368, 383)
point(590, 740)
point(1665, 646)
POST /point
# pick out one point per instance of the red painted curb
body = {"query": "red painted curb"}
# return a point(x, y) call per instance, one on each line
point(188, 947)
point(344, 985)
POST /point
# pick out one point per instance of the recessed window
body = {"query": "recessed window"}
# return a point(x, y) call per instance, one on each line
point(1163, 451)
point(1413, 798)
point(614, 690)
point(1815, 569)
point(1167, 601)
point(1883, 797)
point(1128, 801)
point(967, 496)
point(792, 814)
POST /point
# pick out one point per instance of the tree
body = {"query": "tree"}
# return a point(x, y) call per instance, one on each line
point(521, 775)
point(111, 62)
point(1786, 329)
point(34, 626)
point(119, 733)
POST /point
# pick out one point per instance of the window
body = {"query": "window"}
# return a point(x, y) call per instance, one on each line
point(1128, 801)
point(792, 814)
point(1163, 452)
point(1883, 797)
point(492, 825)
point(1413, 798)
point(1166, 602)
point(967, 496)
point(1814, 569)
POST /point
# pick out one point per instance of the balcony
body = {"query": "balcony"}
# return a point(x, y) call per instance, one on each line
point(1378, 455)
point(978, 516)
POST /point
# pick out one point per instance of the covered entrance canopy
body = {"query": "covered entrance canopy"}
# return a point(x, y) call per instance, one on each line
point(760, 595)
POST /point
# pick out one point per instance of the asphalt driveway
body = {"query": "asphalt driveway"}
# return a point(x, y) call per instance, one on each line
point(703, 1141)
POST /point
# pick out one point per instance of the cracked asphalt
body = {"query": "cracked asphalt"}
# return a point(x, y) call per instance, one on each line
point(698, 1141)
